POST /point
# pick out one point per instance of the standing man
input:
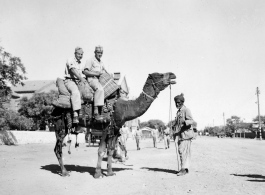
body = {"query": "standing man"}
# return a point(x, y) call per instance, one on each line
point(155, 134)
point(93, 69)
point(138, 135)
point(167, 137)
point(73, 75)
point(183, 134)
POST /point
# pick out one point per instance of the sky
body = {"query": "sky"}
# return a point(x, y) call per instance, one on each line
point(215, 48)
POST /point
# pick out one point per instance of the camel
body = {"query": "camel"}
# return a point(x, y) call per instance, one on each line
point(122, 111)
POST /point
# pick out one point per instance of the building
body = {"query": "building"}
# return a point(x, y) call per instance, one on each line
point(133, 125)
point(146, 132)
point(11, 104)
point(122, 82)
point(29, 89)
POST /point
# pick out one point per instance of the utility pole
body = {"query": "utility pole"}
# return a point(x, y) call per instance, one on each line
point(260, 135)
point(224, 118)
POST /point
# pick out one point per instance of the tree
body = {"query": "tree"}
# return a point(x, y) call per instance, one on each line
point(256, 119)
point(151, 123)
point(232, 124)
point(12, 71)
point(144, 124)
point(10, 120)
point(38, 107)
point(212, 130)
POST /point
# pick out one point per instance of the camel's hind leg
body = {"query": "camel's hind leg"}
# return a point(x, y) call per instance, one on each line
point(111, 146)
point(60, 135)
point(101, 153)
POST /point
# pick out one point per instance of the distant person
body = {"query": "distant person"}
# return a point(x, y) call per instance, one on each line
point(183, 134)
point(155, 134)
point(73, 75)
point(138, 135)
point(166, 133)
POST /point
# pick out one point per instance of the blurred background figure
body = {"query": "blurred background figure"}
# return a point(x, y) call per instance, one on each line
point(166, 133)
point(138, 135)
point(155, 134)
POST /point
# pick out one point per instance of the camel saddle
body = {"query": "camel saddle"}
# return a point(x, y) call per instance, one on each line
point(111, 92)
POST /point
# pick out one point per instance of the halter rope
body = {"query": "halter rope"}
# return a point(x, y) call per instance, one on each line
point(170, 110)
point(148, 96)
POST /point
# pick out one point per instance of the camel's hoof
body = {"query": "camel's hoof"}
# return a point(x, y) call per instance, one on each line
point(69, 152)
point(127, 157)
point(76, 145)
point(65, 174)
point(98, 176)
point(111, 174)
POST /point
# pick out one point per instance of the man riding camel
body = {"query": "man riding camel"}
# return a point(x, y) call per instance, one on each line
point(93, 69)
point(73, 75)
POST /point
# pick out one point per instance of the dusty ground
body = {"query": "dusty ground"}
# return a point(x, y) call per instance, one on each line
point(219, 166)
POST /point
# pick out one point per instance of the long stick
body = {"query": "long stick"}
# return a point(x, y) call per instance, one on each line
point(177, 152)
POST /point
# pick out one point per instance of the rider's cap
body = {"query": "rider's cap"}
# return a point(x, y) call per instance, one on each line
point(78, 49)
point(99, 48)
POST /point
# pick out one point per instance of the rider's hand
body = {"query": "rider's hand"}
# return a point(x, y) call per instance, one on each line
point(83, 81)
point(183, 122)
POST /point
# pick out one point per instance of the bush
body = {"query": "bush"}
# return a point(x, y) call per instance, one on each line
point(11, 120)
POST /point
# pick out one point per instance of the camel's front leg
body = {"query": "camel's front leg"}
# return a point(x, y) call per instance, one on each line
point(111, 146)
point(101, 153)
point(59, 155)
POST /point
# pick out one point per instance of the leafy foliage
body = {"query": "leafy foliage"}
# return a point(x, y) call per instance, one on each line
point(262, 119)
point(12, 71)
point(152, 123)
point(10, 120)
point(232, 124)
point(38, 107)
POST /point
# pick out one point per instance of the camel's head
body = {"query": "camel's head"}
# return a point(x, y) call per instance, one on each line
point(157, 82)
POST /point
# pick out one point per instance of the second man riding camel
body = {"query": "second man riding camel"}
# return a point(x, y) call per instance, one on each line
point(93, 69)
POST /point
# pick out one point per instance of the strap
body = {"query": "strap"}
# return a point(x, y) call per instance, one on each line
point(148, 96)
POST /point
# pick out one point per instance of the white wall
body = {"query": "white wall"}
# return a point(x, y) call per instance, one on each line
point(36, 137)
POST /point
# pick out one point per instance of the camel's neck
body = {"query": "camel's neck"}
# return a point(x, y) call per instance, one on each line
point(131, 109)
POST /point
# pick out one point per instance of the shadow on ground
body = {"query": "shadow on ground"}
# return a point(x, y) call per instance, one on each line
point(256, 178)
point(160, 170)
point(80, 169)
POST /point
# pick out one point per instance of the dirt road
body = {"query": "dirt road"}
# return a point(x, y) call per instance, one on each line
point(219, 166)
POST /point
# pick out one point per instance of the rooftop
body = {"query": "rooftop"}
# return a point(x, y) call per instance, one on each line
point(33, 85)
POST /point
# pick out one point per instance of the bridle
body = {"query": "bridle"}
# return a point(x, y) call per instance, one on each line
point(156, 89)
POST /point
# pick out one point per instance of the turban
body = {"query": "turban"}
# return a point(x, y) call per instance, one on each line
point(99, 48)
point(78, 49)
point(179, 97)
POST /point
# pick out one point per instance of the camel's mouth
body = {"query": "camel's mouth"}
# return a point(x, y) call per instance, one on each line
point(171, 78)
point(172, 82)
